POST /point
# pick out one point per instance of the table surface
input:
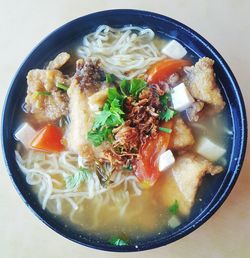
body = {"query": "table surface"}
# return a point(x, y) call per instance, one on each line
point(226, 24)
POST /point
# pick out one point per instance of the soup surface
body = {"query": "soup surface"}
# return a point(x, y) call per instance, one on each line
point(117, 133)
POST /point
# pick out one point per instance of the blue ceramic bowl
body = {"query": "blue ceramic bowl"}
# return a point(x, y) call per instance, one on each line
point(73, 32)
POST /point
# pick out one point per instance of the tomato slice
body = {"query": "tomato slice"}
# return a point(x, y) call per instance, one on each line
point(147, 170)
point(48, 139)
point(164, 68)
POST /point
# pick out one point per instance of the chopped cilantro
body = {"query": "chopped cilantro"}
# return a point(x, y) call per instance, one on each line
point(174, 208)
point(164, 99)
point(112, 114)
point(136, 86)
point(81, 175)
point(117, 241)
point(110, 78)
point(98, 136)
point(125, 87)
point(167, 114)
point(165, 130)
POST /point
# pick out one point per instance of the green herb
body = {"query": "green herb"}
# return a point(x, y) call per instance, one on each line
point(41, 93)
point(164, 99)
point(117, 241)
point(110, 78)
point(114, 94)
point(110, 117)
point(101, 119)
point(81, 175)
point(62, 86)
point(174, 208)
point(133, 87)
point(167, 114)
point(165, 130)
point(136, 86)
point(125, 87)
point(98, 136)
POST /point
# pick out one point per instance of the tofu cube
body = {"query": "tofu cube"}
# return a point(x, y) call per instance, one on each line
point(181, 98)
point(174, 50)
point(25, 134)
point(166, 160)
point(209, 149)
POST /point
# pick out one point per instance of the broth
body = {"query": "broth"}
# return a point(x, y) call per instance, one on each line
point(124, 208)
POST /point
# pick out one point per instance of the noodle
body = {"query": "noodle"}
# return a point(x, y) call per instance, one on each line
point(41, 174)
point(125, 52)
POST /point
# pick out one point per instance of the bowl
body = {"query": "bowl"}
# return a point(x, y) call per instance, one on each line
point(73, 31)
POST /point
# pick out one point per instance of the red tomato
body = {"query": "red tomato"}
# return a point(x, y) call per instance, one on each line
point(48, 139)
point(147, 170)
point(164, 68)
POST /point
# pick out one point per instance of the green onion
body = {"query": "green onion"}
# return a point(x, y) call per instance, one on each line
point(62, 86)
point(165, 130)
point(41, 93)
point(110, 78)
point(173, 209)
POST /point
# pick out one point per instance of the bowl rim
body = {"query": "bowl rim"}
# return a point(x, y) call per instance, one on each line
point(243, 120)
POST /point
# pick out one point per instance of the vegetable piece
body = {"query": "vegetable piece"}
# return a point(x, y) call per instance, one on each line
point(174, 222)
point(48, 139)
point(174, 50)
point(117, 241)
point(110, 117)
point(147, 170)
point(132, 88)
point(62, 86)
point(25, 134)
point(174, 208)
point(97, 137)
point(136, 86)
point(41, 93)
point(181, 98)
point(81, 175)
point(164, 68)
point(165, 130)
point(209, 149)
point(166, 160)
point(110, 78)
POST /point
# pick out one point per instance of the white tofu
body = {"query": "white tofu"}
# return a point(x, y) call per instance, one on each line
point(181, 98)
point(174, 50)
point(209, 149)
point(166, 160)
point(25, 134)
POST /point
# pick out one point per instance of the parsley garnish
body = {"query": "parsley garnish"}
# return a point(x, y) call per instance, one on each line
point(174, 208)
point(81, 175)
point(112, 114)
point(167, 113)
point(133, 87)
point(110, 78)
point(165, 130)
point(110, 117)
point(117, 241)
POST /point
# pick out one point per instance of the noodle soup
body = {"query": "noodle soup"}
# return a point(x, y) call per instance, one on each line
point(117, 139)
